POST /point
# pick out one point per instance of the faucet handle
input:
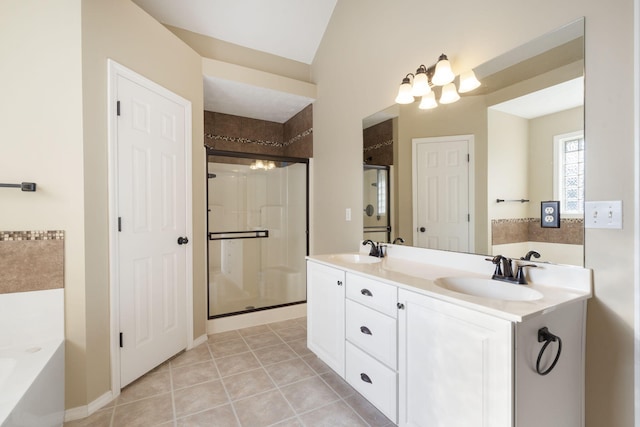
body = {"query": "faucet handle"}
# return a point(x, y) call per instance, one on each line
point(496, 260)
point(520, 279)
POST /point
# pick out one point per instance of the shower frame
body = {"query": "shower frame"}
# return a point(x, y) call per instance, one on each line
point(241, 155)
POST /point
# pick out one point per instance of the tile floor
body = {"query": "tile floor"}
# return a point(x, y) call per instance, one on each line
point(258, 376)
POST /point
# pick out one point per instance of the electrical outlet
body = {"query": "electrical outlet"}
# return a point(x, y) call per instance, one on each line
point(550, 214)
point(607, 214)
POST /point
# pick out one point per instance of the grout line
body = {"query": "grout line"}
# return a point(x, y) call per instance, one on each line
point(173, 400)
point(224, 387)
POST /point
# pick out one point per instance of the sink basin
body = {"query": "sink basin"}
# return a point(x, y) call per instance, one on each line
point(356, 258)
point(487, 288)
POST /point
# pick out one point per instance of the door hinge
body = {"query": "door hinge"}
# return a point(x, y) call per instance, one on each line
point(121, 340)
point(468, 155)
point(118, 108)
point(119, 223)
point(468, 217)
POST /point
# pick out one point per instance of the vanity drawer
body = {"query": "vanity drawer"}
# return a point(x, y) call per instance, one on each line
point(377, 295)
point(376, 382)
point(373, 332)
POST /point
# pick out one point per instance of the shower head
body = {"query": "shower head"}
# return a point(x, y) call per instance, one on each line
point(211, 175)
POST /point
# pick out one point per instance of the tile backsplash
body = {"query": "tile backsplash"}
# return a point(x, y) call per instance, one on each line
point(31, 260)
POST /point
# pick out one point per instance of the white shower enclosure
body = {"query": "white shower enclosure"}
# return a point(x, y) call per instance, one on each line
point(257, 233)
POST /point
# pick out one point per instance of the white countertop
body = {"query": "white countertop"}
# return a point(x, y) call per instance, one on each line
point(416, 270)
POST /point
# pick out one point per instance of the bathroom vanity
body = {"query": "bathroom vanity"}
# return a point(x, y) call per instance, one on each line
point(430, 340)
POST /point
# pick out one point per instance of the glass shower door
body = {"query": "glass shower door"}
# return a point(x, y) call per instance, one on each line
point(257, 221)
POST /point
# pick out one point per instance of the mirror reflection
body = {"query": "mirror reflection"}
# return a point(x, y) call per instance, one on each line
point(522, 133)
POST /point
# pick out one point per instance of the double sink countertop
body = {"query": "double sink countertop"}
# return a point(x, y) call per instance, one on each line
point(435, 273)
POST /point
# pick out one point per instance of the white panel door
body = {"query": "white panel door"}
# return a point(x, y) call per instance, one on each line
point(441, 193)
point(152, 211)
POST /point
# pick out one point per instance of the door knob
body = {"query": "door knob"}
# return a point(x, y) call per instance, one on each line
point(183, 240)
point(422, 229)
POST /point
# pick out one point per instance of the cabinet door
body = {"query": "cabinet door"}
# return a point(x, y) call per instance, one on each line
point(455, 365)
point(325, 314)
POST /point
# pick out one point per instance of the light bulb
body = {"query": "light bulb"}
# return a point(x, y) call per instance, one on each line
point(428, 101)
point(449, 94)
point(468, 82)
point(404, 92)
point(443, 73)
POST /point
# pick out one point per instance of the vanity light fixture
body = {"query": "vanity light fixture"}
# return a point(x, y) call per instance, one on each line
point(425, 79)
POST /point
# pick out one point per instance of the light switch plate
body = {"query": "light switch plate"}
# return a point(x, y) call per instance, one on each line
point(606, 214)
point(550, 214)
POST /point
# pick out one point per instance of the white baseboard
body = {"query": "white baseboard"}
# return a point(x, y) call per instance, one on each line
point(223, 324)
point(84, 411)
point(196, 342)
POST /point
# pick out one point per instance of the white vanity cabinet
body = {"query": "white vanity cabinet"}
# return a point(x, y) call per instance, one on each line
point(325, 314)
point(455, 365)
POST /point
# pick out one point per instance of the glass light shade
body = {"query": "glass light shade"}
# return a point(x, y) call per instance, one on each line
point(468, 82)
point(420, 85)
point(428, 101)
point(443, 73)
point(404, 93)
point(449, 94)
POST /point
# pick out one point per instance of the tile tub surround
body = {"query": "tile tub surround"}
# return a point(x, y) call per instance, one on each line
point(517, 230)
point(31, 260)
point(258, 376)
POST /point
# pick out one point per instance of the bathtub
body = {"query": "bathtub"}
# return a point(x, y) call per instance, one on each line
point(32, 358)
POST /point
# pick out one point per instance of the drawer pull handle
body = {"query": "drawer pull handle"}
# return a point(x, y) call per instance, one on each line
point(366, 292)
point(339, 282)
point(365, 330)
point(365, 378)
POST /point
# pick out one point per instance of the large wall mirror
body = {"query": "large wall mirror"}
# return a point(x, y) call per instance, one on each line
point(523, 131)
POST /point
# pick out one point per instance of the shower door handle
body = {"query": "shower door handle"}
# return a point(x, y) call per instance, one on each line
point(183, 240)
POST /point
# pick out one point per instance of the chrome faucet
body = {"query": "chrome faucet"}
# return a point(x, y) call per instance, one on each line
point(504, 270)
point(376, 249)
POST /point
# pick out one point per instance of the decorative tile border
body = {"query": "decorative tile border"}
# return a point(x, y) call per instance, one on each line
point(31, 235)
point(378, 145)
point(259, 141)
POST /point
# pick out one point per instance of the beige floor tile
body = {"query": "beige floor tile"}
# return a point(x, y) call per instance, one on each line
point(318, 365)
point(291, 422)
point(223, 336)
point(300, 347)
point(221, 416)
point(308, 394)
point(101, 418)
point(147, 412)
point(338, 385)
point(228, 347)
point(195, 355)
point(236, 364)
point(367, 411)
point(146, 386)
point(263, 409)
point(289, 371)
point(248, 383)
point(337, 414)
point(254, 330)
point(292, 334)
point(185, 376)
point(199, 397)
point(274, 354)
point(265, 339)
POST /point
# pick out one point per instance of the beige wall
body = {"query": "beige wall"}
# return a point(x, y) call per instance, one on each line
point(371, 44)
point(119, 30)
point(541, 133)
point(42, 142)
